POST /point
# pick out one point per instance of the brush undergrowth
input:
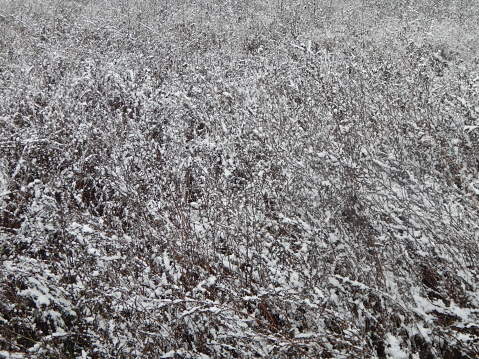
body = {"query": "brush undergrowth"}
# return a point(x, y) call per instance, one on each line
point(214, 179)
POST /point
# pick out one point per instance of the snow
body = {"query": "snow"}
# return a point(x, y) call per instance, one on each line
point(8, 355)
point(393, 347)
point(170, 354)
point(350, 186)
point(39, 297)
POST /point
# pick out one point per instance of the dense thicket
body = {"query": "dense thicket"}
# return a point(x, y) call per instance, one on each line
point(210, 179)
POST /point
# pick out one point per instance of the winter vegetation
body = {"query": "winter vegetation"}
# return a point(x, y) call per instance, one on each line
point(239, 179)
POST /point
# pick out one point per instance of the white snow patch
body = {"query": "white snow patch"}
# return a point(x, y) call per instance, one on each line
point(304, 335)
point(38, 297)
point(111, 258)
point(87, 229)
point(7, 355)
point(469, 129)
point(294, 279)
point(252, 298)
point(463, 313)
point(166, 261)
point(394, 347)
point(170, 354)
point(93, 251)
